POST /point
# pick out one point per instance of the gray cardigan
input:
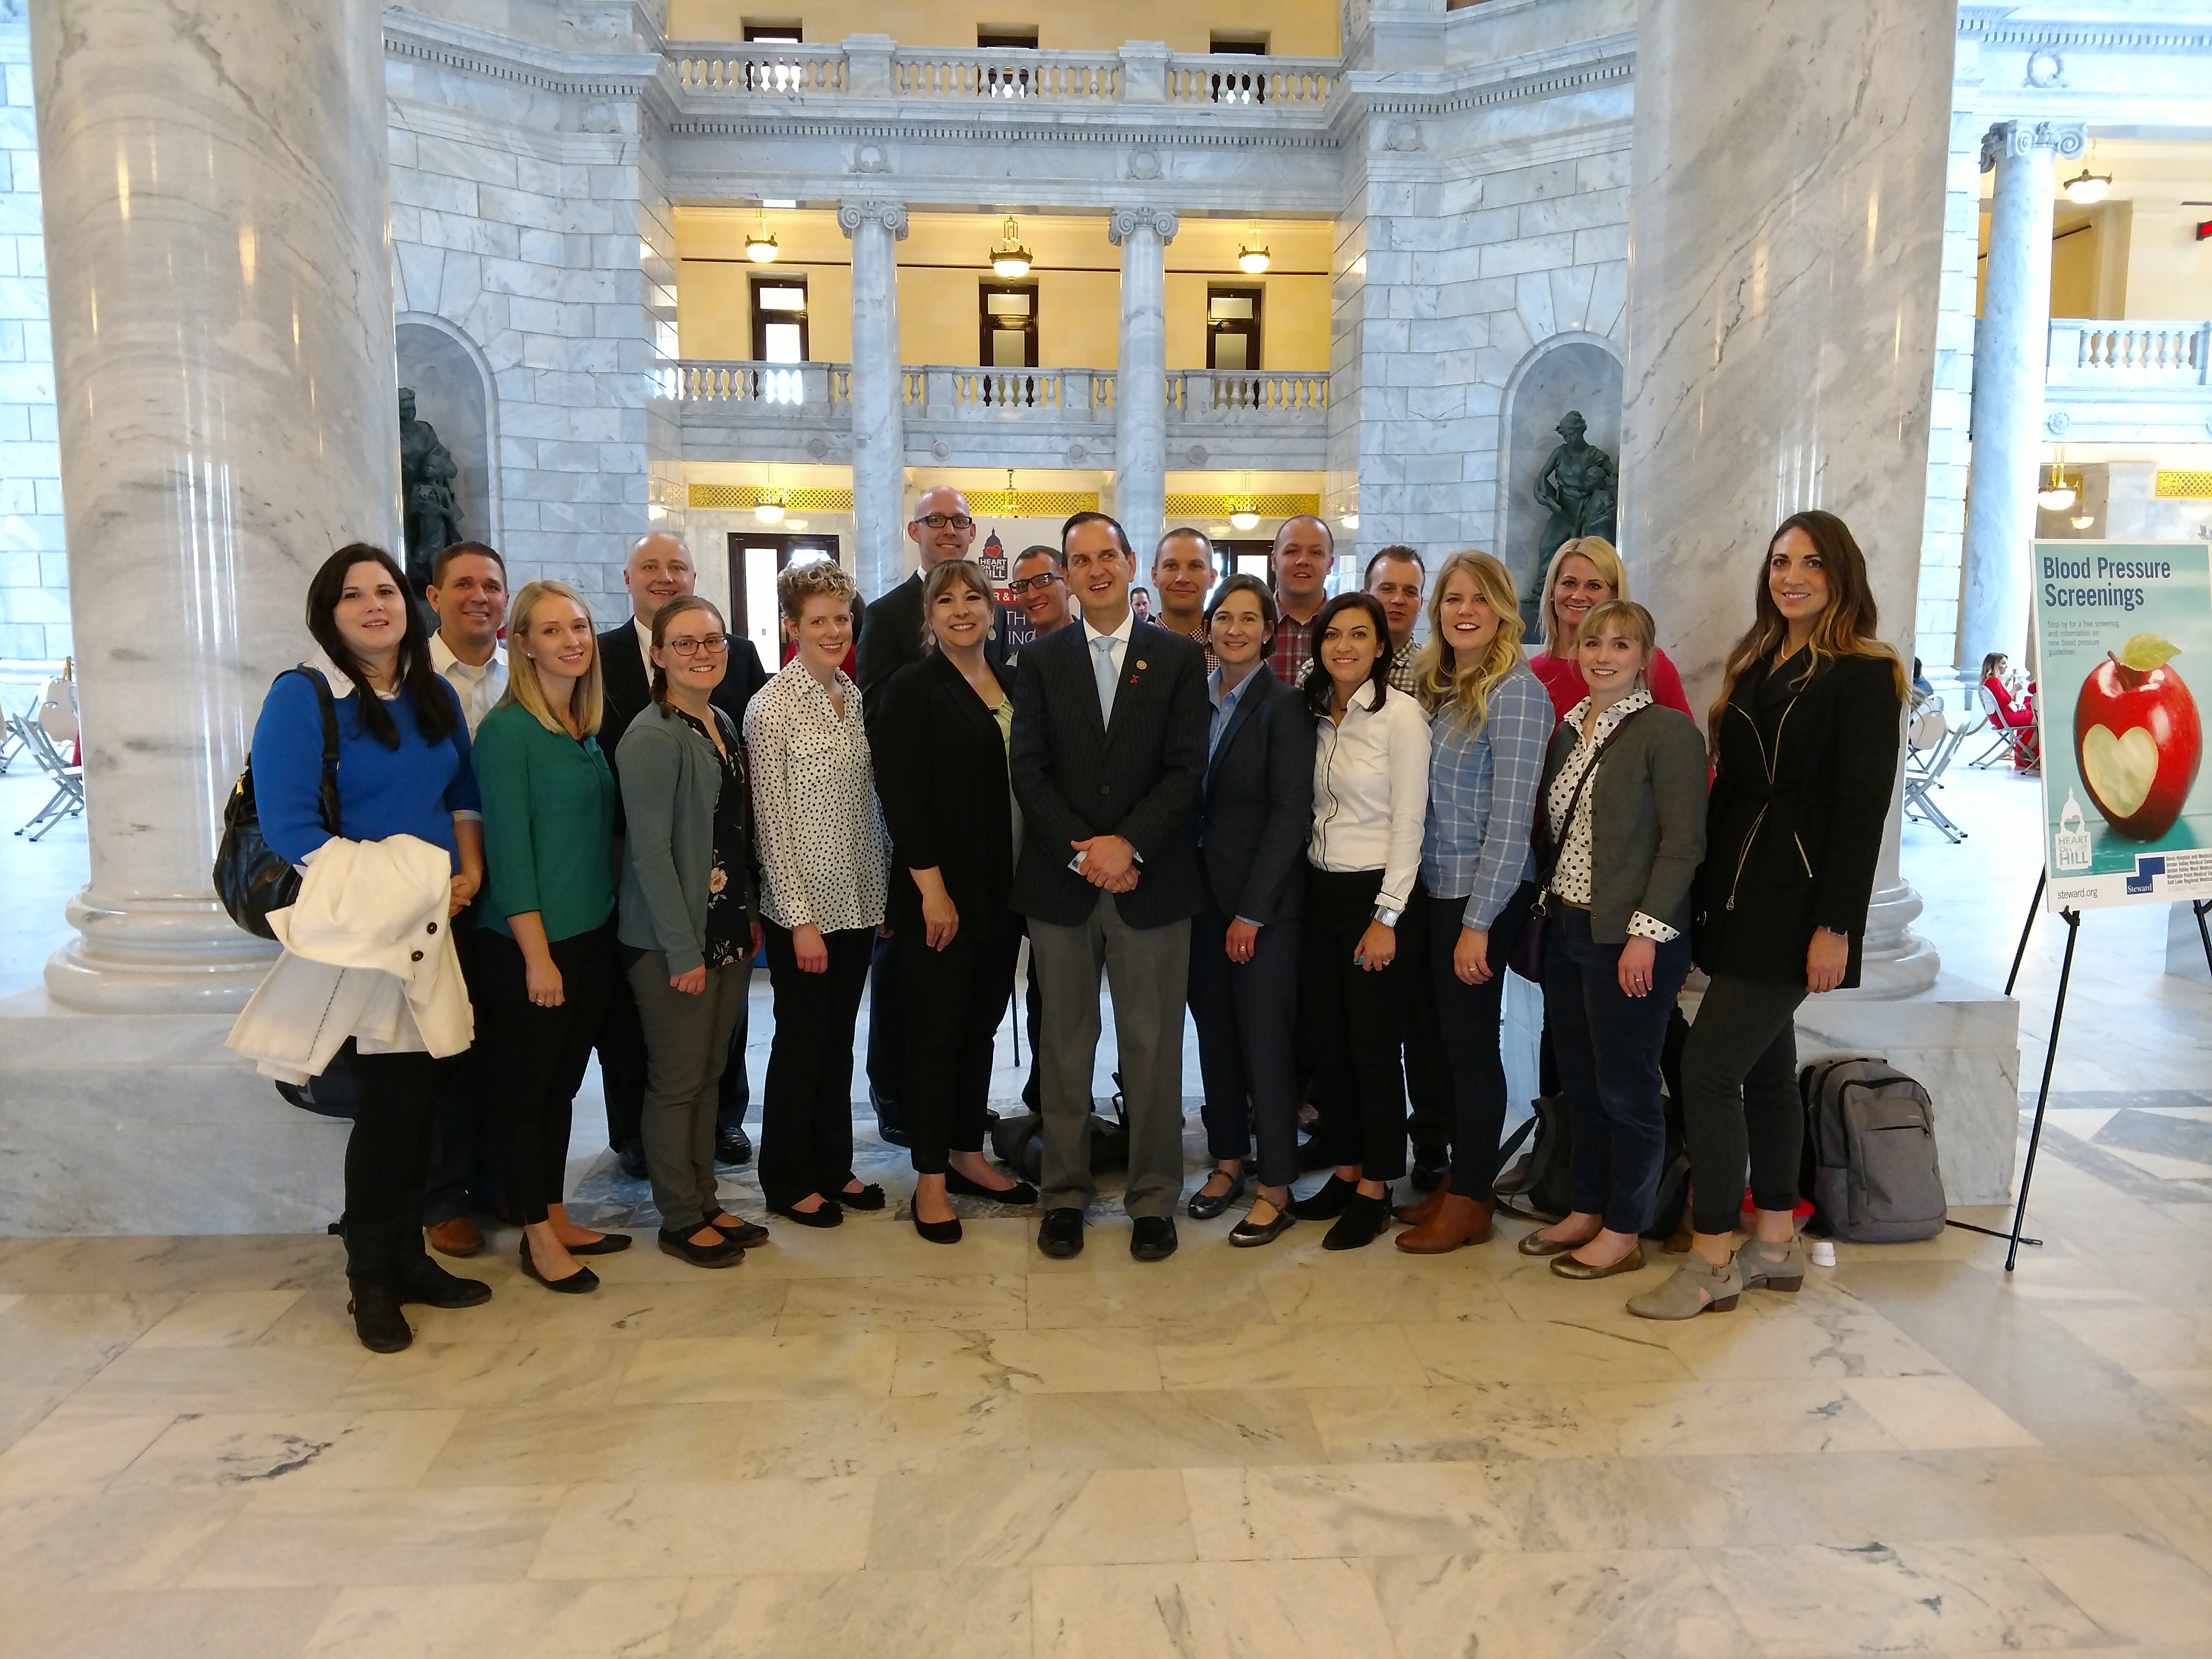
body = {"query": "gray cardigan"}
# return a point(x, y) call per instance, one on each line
point(1647, 819)
point(671, 779)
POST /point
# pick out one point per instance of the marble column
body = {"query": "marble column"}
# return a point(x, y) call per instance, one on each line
point(879, 396)
point(1786, 232)
point(1140, 376)
point(2011, 344)
point(219, 277)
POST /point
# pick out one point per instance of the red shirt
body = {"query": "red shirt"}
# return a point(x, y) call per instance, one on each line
point(1563, 678)
point(1293, 646)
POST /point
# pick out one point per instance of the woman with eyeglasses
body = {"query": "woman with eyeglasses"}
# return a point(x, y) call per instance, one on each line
point(824, 857)
point(687, 921)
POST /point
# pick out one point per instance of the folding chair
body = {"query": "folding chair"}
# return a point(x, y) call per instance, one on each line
point(1930, 747)
point(68, 799)
point(2011, 743)
point(11, 741)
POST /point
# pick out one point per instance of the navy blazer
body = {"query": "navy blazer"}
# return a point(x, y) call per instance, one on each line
point(1076, 777)
point(1256, 808)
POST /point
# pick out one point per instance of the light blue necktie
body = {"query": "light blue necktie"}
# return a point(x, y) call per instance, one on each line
point(1103, 645)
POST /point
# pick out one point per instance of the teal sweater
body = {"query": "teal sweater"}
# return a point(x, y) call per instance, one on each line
point(548, 820)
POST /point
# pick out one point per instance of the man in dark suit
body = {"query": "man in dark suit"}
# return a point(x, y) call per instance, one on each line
point(1109, 747)
point(659, 569)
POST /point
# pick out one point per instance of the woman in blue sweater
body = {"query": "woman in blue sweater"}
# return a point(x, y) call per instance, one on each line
point(403, 770)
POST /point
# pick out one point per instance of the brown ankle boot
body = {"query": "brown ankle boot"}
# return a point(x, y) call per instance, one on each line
point(1417, 1212)
point(1456, 1221)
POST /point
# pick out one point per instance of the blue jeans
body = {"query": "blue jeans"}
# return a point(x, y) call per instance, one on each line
point(1608, 1045)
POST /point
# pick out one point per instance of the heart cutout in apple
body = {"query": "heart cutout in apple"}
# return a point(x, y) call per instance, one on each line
point(2119, 771)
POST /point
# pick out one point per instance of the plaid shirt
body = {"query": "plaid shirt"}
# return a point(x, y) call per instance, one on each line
point(1481, 782)
point(1292, 650)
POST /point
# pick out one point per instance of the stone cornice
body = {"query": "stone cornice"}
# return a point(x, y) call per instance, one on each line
point(494, 56)
point(1995, 26)
point(898, 122)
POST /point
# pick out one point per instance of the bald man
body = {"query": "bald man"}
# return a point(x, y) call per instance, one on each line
point(890, 634)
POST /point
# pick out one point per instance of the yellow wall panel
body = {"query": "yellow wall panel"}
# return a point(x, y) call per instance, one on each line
point(1294, 29)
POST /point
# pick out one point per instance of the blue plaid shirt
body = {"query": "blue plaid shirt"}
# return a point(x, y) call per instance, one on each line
point(1482, 798)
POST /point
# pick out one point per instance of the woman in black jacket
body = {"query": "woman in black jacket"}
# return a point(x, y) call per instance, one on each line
point(1805, 739)
point(939, 742)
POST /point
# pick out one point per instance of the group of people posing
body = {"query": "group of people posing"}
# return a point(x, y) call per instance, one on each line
point(1266, 805)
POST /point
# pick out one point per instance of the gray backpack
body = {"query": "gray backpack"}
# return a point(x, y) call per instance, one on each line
point(1870, 1153)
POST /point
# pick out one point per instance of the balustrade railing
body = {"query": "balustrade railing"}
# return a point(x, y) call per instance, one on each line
point(947, 392)
point(788, 385)
point(1230, 78)
point(952, 391)
point(777, 69)
point(1199, 393)
point(1079, 77)
point(2095, 352)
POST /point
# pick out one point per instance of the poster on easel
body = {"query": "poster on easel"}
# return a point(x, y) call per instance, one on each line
point(2124, 653)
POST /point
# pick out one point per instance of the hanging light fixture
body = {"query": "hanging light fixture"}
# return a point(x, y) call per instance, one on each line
point(1254, 261)
point(760, 246)
point(1010, 259)
point(2083, 521)
point(2056, 492)
point(1242, 515)
point(1349, 520)
point(2086, 189)
point(1013, 496)
point(768, 507)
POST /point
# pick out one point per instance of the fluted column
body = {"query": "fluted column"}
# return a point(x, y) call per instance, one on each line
point(2011, 344)
point(1140, 377)
point(879, 395)
point(1785, 230)
point(220, 284)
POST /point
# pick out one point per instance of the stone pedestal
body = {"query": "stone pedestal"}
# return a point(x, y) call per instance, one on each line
point(220, 284)
point(879, 396)
point(1141, 378)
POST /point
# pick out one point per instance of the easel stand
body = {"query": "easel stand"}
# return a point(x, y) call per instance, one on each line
point(2073, 920)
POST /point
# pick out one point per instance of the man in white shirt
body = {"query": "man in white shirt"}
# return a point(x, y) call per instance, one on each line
point(468, 590)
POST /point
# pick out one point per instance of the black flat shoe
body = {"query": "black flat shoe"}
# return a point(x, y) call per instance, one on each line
point(1363, 1222)
point(938, 1232)
point(742, 1233)
point(1326, 1201)
point(830, 1215)
point(1152, 1239)
point(870, 1197)
point(575, 1284)
point(422, 1280)
point(679, 1245)
point(605, 1244)
point(734, 1149)
point(1020, 1193)
point(1205, 1208)
point(377, 1320)
point(1244, 1235)
point(1061, 1234)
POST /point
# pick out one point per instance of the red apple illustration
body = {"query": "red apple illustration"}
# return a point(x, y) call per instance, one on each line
point(2137, 738)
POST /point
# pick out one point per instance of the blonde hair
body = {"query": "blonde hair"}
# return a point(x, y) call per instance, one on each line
point(962, 571)
point(587, 697)
point(1467, 686)
point(1631, 620)
point(1601, 553)
point(795, 583)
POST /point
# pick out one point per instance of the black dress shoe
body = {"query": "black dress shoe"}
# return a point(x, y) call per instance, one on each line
point(870, 1197)
point(1362, 1223)
point(631, 1155)
point(938, 1232)
point(421, 1280)
point(741, 1232)
point(1244, 1235)
point(1204, 1207)
point(828, 1215)
point(1152, 1237)
point(733, 1148)
point(377, 1320)
point(679, 1245)
point(1021, 1193)
point(1430, 1165)
point(1061, 1234)
point(605, 1244)
point(1314, 1154)
point(1326, 1201)
point(576, 1283)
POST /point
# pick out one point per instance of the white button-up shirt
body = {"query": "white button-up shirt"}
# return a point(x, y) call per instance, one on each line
point(478, 688)
point(1371, 793)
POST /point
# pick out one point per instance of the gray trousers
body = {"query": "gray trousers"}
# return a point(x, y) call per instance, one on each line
point(687, 1043)
point(1146, 970)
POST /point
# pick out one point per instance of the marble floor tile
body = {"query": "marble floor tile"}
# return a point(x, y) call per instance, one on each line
point(732, 1369)
point(75, 1457)
point(1826, 1338)
point(1046, 1518)
point(1857, 1498)
point(1726, 1420)
point(1279, 1609)
point(1578, 1505)
point(2142, 1338)
point(1026, 1362)
point(1423, 1292)
point(428, 1536)
point(172, 1266)
point(1928, 1413)
point(221, 1319)
point(1475, 1422)
point(976, 1613)
point(169, 1624)
point(2137, 1589)
point(1344, 1510)
point(632, 1619)
point(2174, 1508)
point(146, 1540)
point(1616, 1349)
point(1185, 1307)
point(1189, 1428)
point(50, 1345)
point(861, 1302)
point(1656, 1604)
point(444, 1376)
point(309, 1451)
point(1260, 1356)
point(258, 1379)
point(1931, 1597)
point(685, 1530)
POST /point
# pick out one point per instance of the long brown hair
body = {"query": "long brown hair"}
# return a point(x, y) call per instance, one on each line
point(1440, 676)
point(437, 705)
point(1846, 627)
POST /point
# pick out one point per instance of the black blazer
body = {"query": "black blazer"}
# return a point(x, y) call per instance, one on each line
point(1255, 806)
point(891, 639)
point(941, 773)
point(1139, 779)
point(628, 692)
point(1801, 783)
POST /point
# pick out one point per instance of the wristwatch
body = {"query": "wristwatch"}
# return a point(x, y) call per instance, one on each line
point(1388, 917)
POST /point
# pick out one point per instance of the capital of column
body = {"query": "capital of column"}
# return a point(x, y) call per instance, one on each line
point(2066, 138)
point(1160, 220)
point(891, 215)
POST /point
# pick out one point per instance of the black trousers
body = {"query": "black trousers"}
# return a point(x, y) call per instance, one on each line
point(951, 1001)
point(387, 1158)
point(463, 1168)
point(1467, 1033)
point(736, 1097)
point(886, 1033)
point(620, 1044)
point(1245, 1012)
point(1353, 1020)
point(534, 1057)
point(807, 1120)
point(1429, 1117)
point(1739, 1099)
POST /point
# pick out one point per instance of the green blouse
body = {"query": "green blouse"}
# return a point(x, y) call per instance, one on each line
point(549, 825)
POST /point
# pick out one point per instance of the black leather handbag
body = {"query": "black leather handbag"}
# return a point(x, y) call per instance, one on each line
point(249, 880)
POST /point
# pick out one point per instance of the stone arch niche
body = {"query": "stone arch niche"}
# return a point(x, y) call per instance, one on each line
point(452, 382)
point(1577, 370)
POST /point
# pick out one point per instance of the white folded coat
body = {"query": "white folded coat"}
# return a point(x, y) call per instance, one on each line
point(368, 954)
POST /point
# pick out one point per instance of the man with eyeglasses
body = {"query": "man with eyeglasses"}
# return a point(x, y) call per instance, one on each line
point(659, 569)
point(1040, 591)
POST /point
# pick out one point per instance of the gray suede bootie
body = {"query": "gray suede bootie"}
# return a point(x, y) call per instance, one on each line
point(1679, 1299)
point(1766, 1267)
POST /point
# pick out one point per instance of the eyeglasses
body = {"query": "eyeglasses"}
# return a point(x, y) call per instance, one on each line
point(939, 520)
point(1021, 584)
point(713, 644)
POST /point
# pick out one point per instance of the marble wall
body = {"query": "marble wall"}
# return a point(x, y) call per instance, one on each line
point(35, 621)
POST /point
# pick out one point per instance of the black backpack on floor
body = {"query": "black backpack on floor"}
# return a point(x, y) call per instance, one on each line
point(1870, 1164)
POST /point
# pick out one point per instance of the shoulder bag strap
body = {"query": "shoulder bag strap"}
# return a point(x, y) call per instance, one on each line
point(1548, 858)
point(328, 796)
